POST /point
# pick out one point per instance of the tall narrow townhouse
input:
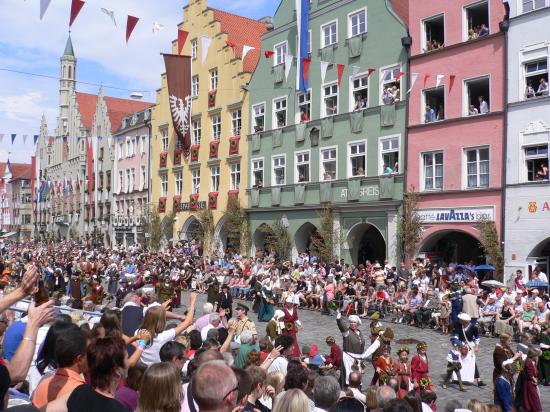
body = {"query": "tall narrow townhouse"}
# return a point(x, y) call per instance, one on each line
point(527, 233)
point(217, 165)
point(456, 123)
point(339, 140)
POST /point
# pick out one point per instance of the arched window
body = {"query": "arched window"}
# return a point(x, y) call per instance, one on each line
point(70, 72)
point(64, 72)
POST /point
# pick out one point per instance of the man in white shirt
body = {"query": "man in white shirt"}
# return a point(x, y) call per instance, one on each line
point(483, 106)
point(281, 362)
point(216, 321)
point(540, 275)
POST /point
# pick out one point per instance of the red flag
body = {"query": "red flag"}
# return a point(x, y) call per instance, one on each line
point(426, 77)
point(182, 36)
point(452, 78)
point(76, 6)
point(130, 25)
point(370, 71)
point(399, 75)
point(90, 159)
point(268, 54)
point(340, 73)
point(306, 61)
point(232, 45)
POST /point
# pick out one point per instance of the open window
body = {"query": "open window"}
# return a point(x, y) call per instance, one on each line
point(433, 35)
point(389, 151)
point(330, 100)
point(477, 20)
point(360, 92)
point(279, 113)
point(530, 5)
point(304, 107)
point(357, 158)
point(477, 96)
point(258, 114)
point(536, 162)
point(434, 104)
point(536, 78)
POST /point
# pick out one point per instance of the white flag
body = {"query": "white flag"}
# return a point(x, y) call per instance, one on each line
point(354, 71)
point(157, 27)
point(109, 13)
point(44, 4)
point(246, 49)
point(439, 79)
point(414, 76)
point(25, 138)
point(206, 41)
point(324, 66)
point(288, 65)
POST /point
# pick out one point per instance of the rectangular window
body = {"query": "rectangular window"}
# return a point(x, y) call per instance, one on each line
point(197, 131)
point(330, 100)
point(389, 153)
point(195, 181)
point(236, 122)
point(359, 92)
point(434, 104)
point(214, 179)
point(179, 183)
point(213, 79)
point(329, 33)
point(433, 171)
point(530, 5)
point(477, 167)
point(536, 162)
point(391, 85)
point(132, 179)
point(120, 151)
point(304, 107)
point(163, 185)
point(164, 133)
point(194, 48)
point(258, 173)
point(235, 176)
point(477, 20)
point(127, 183)
point(477, 97)
point(258, 117)
point(433, 33)
point(216, 127)
point(281, 50)
point(357, 23)
point(357, 155)
point(143, 177)
point(279, 170)
point(279, 112)
point(302, 167)
point(328, 164)
point(120, 181)
point(536, 78)
point(195, 86)
point(143, 144)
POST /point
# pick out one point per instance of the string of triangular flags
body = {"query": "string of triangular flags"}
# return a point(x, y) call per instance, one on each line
point(14, 136)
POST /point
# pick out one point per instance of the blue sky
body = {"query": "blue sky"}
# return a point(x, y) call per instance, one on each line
point(32, 45)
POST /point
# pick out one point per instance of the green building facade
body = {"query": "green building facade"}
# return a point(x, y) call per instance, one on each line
point(339, 144)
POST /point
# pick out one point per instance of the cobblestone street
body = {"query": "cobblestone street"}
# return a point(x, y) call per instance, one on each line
point(316, 327)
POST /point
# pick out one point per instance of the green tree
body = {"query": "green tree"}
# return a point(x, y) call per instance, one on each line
point(204, 231)
point(277, 238)
point(168, 226)
point(153, 227)
point(238, 236)
point(409, 227)
point(327, 239)
point(490, 243)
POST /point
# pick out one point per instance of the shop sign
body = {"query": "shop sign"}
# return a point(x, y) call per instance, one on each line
point(364, 192)
point(200, 205)
point(534, 207)
point(456, 215)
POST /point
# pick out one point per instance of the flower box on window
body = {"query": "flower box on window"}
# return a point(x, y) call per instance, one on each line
point(162, 205)
point(163, 159)
point(214, 144)
point(194, 201)
point(233, 192)
point(176, 203)
point(212, 200)
point(177, 157)
point(212, 98)
point(234, 145)
point(195, 153)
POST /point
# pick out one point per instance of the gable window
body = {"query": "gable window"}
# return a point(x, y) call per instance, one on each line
point(194, 48)
point(357, 23)
point(304, 107)
point(329, 33)
point(328, 163)
point(391, 85)
point(236, 122)
point(477, 167)
point(164, 133)
point(434, 104)
point(281, 50)
point(258, 117)
point(477, 20)
point(213, 79)
point(216, 127)
point(536, 162)
point(279, 170)
point(536, 78)
point(163, 185)
point(530, 5)
point(179, 183)
point(279, 112)
point(357, 158)
point(302, 167)
point(197, 131)
point(359, 92)
point(195, 86)
point(433, 171)
point(195, 181)
point(477, 98)
point(433, 33)
point(258, 173)
point(389, 153)
point(330, 100)
point(235, 173)
point(214, 179)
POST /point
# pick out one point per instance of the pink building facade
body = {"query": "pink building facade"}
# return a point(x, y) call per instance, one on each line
point(456, 123)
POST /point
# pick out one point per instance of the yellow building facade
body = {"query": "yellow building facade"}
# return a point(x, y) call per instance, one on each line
point(217, 166)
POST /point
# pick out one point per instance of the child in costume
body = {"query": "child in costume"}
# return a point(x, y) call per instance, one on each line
point(402, 370)
point(383, 365)
point(454, 363)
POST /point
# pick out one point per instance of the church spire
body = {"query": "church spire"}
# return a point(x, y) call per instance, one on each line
point(69, 47)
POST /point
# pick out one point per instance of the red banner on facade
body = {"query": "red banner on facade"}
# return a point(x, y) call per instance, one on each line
point(178, 76)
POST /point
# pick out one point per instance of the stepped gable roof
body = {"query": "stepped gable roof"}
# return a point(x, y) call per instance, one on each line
point(242, 31)
point(86, 105)
point(20, 170)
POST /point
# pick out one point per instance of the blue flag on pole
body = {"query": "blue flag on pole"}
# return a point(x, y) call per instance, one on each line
point(13, 137)
point(302, 24)
point(35, 137)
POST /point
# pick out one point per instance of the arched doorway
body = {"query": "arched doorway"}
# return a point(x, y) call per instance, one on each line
point(540, 256)
point(448, 246)
point(189, 229)
point(303, 236)
point(366, 242)
point(260, 238)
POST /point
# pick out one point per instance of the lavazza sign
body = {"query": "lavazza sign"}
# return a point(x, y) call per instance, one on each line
point(454, 215)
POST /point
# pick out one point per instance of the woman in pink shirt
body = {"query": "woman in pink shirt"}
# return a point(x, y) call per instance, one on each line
point(329, 290)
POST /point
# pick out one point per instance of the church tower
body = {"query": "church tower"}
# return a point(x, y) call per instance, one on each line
point(66, 86)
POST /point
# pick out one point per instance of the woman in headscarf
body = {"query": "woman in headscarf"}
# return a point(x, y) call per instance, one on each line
point(292, 323)
point(266, 310)
point(274, 327)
